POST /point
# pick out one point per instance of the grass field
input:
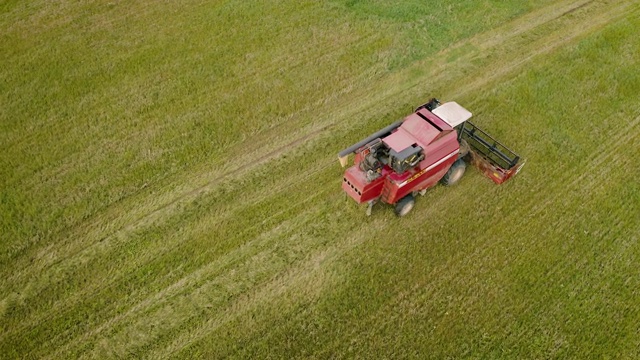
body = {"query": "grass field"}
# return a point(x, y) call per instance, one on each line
point(169, 186)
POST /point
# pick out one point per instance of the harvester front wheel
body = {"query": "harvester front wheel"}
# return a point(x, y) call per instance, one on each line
point(455, 173)
point(464, 149)
point(404, 206)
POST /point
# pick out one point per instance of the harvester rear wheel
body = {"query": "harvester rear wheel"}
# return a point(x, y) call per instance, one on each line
point(455, 173)
point(404, 206)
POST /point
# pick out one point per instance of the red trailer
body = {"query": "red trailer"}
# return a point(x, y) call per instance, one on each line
point(414, 154)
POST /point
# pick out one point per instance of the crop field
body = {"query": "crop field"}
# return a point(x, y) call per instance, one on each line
point(169, 183)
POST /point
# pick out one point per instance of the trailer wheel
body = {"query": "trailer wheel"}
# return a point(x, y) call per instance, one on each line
point(455, 173)
point(404, 206)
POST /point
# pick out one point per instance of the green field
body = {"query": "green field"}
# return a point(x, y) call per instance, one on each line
point(169, 185)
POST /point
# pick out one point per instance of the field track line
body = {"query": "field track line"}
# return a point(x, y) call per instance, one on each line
point(560, 39)
point(528, 22)
point(245, 250)
point(265, 294)
point(193, 282)
point(366, 232)
point(59, 307)
point(206, 272)
point(183, 197)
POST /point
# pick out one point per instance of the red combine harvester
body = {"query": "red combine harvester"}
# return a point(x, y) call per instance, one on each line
point(412, 155)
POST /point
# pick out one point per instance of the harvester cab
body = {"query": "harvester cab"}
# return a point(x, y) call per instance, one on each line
point(429, 146)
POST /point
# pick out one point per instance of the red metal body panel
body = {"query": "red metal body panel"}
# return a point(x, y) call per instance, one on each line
point(440, 147)
point(356, 185)
point(439, 156)
point(419, 180)
point(399, 140)
point(422, 131)
point(434, 119)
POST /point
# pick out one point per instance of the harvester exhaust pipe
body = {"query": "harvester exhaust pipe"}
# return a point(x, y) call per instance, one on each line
point(344, 154)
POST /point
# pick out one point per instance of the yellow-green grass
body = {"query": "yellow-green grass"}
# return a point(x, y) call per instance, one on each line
point(170, 186)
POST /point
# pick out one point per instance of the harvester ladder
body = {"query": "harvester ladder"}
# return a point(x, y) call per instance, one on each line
point(386, 191)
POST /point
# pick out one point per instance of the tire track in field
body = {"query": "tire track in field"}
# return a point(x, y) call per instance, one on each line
point(99, 284)
point(549, 43)
point(206, 272)
point(217, 273)
point(507, 40)
point(266, 296)
point(148, 256)
point(249, 248)
point(528, 22)
point(366, 232)
point(70, 251)
point(194, 282)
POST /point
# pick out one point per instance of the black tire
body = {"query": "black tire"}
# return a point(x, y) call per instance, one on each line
point(404, 206)
point(455, 173)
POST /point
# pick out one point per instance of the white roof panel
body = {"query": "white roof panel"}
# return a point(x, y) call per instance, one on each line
point(452, 113)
